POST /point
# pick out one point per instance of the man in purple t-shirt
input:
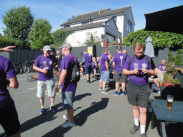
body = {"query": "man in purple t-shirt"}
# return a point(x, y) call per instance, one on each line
point(160, 71)
point(9, 117)
point(88, 61)
point(138, 90)
point(68, 87)
point(118, 62)
point(104, 70)
point(44, 64)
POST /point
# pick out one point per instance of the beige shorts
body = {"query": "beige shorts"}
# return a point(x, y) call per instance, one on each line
point(160, 76)
point(43, 85)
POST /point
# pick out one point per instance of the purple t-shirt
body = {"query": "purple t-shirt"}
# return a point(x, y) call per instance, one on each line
point(119, 60)
point(88, 58)
point(7, 71)
point(68, 64)
point(92, 65)
point(103, 59)
point(160, 66)
point(43, 63)
point(138, 64)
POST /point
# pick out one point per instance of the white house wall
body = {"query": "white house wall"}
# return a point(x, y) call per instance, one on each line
point(78, 38)
point(75, 25)
point(101, 20)
point(120, 23)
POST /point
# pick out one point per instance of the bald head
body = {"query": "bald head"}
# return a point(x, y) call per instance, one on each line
point(124, 52)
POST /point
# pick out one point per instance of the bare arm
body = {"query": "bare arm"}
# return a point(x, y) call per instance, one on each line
point(113, 64)
point(130, 72)
point(40, 70)
point(7, 49)
point(14, 82)
point(107, 65)
point(61, 79)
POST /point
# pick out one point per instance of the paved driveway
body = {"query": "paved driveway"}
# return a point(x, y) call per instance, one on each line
point(96, 114)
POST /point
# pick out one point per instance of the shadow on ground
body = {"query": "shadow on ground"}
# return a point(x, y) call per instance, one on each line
point(80, 118)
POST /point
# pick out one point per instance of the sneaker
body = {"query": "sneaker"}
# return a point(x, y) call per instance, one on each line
point(43, 111)
point(134, 129)
point(100, 88)
point(65, 117)
point(68, 125)
point(123, 93)
point(150, 79)
point(54, 109)
point(88, 81)
point(104, 92)
point(143, 135)
point(115, 93)
point(158, 92)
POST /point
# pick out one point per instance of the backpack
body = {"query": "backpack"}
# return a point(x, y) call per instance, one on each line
point(75, 72)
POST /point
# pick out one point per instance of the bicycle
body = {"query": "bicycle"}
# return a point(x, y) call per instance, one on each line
point(33, 77)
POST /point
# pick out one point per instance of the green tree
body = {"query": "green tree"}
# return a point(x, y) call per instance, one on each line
point(18, 22)
point(40, 34)
point(160, 39)
point(59, 36)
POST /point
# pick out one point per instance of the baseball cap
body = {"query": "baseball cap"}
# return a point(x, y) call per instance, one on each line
point(46, 48)
point(66, 45)
point(119, 48)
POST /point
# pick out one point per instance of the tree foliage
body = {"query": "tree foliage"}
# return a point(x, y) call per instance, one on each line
point(160, 39)
point(18, 22)
point(10, 41)
point(40, 34)
point(93, 39)
point(59, 36)
point(179, 58)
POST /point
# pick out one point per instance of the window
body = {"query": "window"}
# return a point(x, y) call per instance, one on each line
point(129, 27)
point(87, 22)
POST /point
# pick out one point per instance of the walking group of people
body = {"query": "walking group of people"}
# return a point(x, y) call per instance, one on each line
point(131, 72)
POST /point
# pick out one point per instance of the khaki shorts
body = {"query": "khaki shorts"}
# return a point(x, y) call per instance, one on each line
point(43, 85)
point(160, 76)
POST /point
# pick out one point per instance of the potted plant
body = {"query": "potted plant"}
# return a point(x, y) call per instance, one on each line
point(170, 84)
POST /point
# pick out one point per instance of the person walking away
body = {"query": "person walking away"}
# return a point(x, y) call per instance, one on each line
point(88, 61)
point(138, 90)
point(44, 64)
point(66, 84)
point(8, 114)
point(104, 70)
point(118, 62)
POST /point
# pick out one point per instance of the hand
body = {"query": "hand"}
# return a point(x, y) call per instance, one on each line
point(45, 71)
point(144, 70)
point(57, 89)
point(135, 71)
point(8, 48)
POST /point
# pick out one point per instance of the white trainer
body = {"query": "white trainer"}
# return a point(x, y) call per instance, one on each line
point(65, 117)
point(68, 125)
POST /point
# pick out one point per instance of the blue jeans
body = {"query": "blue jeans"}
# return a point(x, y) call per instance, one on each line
point(104, 76)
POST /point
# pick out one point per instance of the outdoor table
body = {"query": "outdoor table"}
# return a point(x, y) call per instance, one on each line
point(163, 116)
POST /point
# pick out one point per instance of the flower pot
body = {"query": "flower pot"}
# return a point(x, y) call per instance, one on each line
point(174, 91)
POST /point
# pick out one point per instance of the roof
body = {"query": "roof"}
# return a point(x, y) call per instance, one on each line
point(96, 14)
point(85, 26)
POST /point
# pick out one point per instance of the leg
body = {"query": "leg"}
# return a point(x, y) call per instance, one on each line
point(16, 135)
point(143, 119)
point(155, 80)
point(117, 86)
point(70, 113)
point(42, 102)
point(100, 83)
point(103, 85)
point(135, 112)
point(52, 101)
point(123, 87)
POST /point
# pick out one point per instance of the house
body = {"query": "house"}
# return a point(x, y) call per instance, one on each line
point(114, 25)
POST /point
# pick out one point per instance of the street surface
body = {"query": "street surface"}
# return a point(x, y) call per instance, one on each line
point(96, 114)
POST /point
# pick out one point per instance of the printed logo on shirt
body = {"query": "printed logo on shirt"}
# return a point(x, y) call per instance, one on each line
point(135, 65)
point(144, 65)
point(44, 63)
point(50, 62)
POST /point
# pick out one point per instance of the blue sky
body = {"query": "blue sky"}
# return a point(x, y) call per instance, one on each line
point(58, 11)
